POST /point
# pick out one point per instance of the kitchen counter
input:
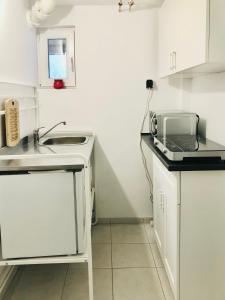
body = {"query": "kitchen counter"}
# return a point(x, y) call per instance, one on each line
point(47, 189)
point(194, 165)
point(28, 156)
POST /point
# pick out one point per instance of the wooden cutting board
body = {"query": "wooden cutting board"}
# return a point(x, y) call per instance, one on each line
point(12, 122)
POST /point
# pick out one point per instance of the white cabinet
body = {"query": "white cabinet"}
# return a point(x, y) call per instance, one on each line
point(202, 238)
point(166, 218)
point(191, 37)
point(171, 221)
point(189, 222)
point(192, 34)
point(167, 25)
point(158, 214)
point(42, 214)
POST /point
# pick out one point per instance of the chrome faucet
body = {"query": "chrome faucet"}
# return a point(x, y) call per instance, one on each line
point(37, 136)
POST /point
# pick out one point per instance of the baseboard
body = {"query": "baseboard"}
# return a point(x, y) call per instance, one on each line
point(124, 220)
point(6, 279)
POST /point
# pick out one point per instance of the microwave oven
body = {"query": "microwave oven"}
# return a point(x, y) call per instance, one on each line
point(164, 123)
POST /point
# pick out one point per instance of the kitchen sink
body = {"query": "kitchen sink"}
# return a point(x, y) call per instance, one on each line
point(66, 140)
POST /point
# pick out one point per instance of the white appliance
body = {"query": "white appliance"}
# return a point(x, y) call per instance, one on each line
point(42, 214)
point(164, 123)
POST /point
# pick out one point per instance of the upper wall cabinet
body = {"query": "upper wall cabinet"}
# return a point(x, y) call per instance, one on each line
point(191, 37)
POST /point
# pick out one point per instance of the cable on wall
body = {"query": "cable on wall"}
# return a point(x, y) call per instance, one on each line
point(144, 159)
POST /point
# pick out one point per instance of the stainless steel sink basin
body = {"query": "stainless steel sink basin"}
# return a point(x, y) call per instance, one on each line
point(66, 140)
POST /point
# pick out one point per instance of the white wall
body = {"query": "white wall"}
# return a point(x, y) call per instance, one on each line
point(18, 44)
point(17, 65)
point(206, 96)
point(18, 56)
point(115, 54)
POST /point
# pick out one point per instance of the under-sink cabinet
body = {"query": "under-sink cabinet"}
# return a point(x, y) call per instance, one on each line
point(191, 37)
point(189, 222)
point(42, 214)
point(45, 216)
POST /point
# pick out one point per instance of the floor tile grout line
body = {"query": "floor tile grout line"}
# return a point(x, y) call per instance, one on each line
point(161, 284)
point(64, 283)
point(13, 284)
point(120, 243)
point(149, 242)
point(101, 268)
point(111, 262)
point(107, 268)
point(153, 255)
point(138, 243)
point(151, 248)
point(101, 243)
point(122, 268)
point(112, 285)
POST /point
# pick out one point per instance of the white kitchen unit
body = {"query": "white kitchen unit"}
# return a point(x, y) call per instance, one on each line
point(189, 212)
point(47, 195)
point(191, 37)
point(50, 226)
point(42, 214)
point(166, 218)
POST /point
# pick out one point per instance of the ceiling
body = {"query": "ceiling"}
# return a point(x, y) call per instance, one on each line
point(150, 3)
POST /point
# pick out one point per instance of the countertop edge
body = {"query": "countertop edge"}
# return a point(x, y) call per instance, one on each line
point(24, 169)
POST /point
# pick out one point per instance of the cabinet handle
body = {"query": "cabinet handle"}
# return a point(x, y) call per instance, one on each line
point(162, 201)
point(171, 61)
point(174, 61)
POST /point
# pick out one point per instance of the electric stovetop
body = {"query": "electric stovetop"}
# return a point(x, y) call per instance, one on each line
point(187, 147)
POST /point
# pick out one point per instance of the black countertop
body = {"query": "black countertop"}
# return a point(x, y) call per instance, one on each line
point(195, 165)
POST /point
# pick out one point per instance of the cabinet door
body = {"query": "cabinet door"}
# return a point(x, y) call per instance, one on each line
point(183, 35)
point(166, 219)
point(192, 33)
point(202, 242)
point(37, 213)
point(171, 221)
point(167, 28)
point(158, 215)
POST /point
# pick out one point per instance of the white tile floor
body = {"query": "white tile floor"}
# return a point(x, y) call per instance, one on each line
point(126, 265)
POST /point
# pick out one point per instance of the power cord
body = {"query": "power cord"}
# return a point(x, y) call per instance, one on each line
point(144, 159)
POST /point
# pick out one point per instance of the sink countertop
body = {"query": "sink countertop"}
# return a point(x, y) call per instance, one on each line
point(28, 156)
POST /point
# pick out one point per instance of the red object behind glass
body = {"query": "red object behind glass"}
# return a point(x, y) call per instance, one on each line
point(59, 84)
